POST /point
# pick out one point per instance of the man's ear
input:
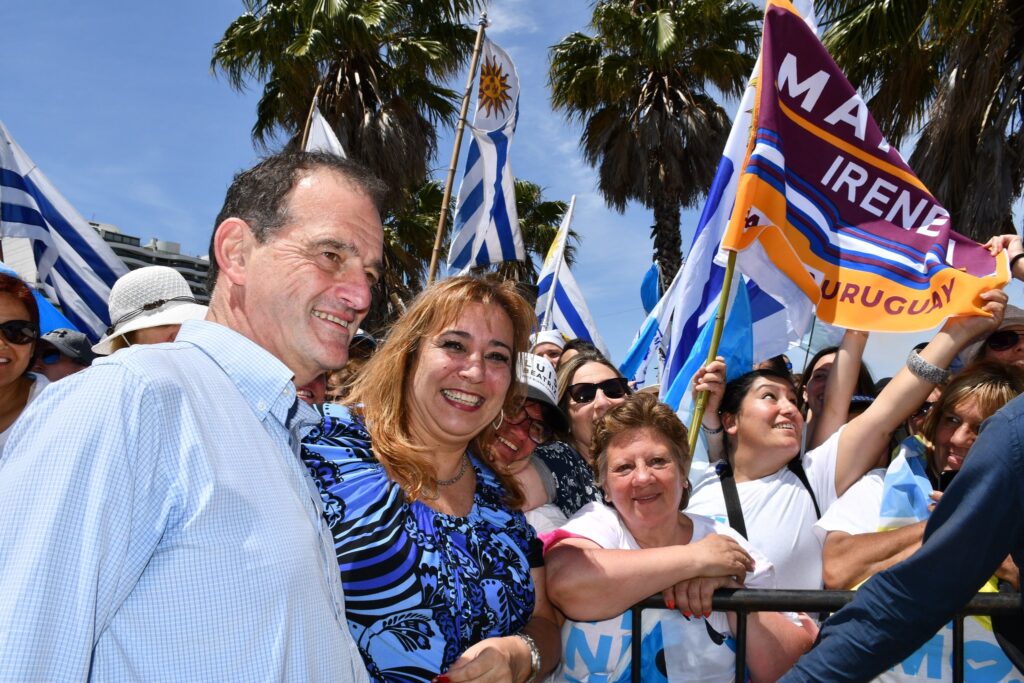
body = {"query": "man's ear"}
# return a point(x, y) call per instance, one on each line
point(232, 245)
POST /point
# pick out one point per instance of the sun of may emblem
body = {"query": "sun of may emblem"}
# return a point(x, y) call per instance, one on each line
point(494, 88)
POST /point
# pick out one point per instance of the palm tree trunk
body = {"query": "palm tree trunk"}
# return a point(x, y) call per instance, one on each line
point(667, 240)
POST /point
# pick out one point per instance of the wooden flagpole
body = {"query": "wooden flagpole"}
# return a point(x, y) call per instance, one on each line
point(309, 118)
point(455, 150)
point(716, 339)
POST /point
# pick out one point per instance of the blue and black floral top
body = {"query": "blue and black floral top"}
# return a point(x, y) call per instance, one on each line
point(420, 586)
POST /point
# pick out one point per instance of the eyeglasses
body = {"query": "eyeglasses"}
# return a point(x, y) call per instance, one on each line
point(584, 392)
point(538, 432)
point(145, 308)
point(19, 331)
point(1002, 340)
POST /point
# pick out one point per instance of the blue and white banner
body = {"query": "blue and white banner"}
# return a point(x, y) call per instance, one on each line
point(76, 267)
point(560, 303)
point(321, 136)
point(486, 222)
point(691, 305)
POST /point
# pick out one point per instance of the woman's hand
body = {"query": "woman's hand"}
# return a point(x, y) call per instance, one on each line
point(964, 329)
point(1011, 243)
point(711, 378)
point(489, 661)
point(693, 596)
point(719, 555)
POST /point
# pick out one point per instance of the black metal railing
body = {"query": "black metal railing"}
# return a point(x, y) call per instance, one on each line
point(744, 601)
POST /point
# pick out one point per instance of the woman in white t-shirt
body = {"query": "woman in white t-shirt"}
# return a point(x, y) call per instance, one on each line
point(608, 558)
point(777, 494)
point(19, 332)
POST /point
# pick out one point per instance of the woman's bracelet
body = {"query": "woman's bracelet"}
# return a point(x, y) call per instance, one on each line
point(711, 432)
point(1014, 260)
point(929, 372)
point(534, 655)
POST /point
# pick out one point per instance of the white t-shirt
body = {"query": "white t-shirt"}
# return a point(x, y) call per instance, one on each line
point(674, 649)
point(546, 518)
point(856, 511)
point(38, 384)
point(779, 514)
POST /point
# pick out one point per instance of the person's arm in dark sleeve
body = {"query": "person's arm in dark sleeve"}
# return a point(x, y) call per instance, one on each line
point(978, 521)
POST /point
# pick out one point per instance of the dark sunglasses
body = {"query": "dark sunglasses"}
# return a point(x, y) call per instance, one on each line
point(19, 331)
point(538, 432)
point(145, 308)
point(584, 392)
point(1002, 340)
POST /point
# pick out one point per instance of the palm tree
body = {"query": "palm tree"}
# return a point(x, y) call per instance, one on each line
point(380, 62)
point(641, 87)
point(954, 68)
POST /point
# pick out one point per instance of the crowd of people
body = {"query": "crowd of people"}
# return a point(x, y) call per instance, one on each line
point(261, 490)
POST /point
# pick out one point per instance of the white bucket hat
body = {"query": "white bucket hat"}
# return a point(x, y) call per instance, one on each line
point(148, 297)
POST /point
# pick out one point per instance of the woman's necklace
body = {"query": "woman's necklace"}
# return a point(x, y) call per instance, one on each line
point(457, 477)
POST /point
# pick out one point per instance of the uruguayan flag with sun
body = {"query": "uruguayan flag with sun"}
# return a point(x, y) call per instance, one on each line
point(486, 223)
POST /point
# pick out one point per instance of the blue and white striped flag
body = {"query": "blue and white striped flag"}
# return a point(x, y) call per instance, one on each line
point(486, 223)
point(690, 303)
point(560, 304)
point(76, 267)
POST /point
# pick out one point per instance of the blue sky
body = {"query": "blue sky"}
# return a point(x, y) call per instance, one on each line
point(115, 102)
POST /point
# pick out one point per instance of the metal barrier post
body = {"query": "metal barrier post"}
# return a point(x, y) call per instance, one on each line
point(741, 646)
point(958, 648)
point(634, 643)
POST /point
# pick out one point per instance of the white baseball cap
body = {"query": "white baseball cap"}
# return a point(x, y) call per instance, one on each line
point(539, 376)
point(547, 337)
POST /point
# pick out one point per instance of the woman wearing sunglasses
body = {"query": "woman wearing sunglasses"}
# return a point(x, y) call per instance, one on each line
point(588, 387)
point(1005, 345)
point(555, 481)
point(19, 330)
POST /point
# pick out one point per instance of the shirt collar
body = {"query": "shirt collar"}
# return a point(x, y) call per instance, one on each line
point(263, 380)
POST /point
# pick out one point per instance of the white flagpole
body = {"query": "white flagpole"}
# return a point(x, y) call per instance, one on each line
point(558, 265)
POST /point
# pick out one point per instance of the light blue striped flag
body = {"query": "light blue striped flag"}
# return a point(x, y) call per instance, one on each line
point(76, 267)
point(691, 301)
point(486, 223)
point(560, 304)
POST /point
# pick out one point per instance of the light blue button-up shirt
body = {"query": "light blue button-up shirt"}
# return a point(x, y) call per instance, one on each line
point(156, 524)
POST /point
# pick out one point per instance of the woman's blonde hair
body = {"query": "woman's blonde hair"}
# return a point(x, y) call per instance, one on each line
point(641, 411)
point(379, 393)
point(991, 383)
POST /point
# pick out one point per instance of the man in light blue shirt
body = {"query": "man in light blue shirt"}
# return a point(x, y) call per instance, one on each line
point(155, 520)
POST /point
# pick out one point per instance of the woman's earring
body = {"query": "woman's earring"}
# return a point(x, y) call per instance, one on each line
point(500, 421)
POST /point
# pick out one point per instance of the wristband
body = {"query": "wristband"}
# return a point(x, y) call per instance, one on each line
point(927, 371)
point(534, 656)
point(1014, 260)
point(711, 432)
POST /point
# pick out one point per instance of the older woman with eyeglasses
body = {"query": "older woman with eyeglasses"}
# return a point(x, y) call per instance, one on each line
point(554, 485)
point(19, 331)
